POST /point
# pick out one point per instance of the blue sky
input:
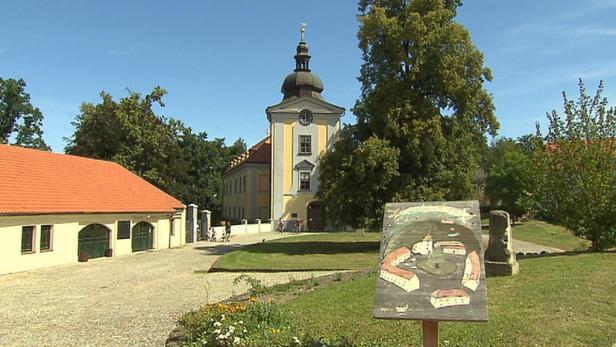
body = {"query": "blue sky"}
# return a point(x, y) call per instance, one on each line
point(222, 62)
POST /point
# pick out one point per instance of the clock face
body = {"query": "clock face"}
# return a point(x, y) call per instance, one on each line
point(305, 117)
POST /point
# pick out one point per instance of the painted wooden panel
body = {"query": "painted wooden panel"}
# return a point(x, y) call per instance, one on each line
point(432, 263)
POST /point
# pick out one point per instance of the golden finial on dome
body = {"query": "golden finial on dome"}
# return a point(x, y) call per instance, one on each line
point(302, 31)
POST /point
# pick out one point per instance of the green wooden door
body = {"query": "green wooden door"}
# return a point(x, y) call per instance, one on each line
point(93, 240)
point(142, 237)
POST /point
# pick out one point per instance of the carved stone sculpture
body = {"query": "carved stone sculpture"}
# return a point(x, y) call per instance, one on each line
point(500, 257)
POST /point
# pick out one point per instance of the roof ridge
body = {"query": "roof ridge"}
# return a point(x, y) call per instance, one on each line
point(62, 155)
point(35, 181)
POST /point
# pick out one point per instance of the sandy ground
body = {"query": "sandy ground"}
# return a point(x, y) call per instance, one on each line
point(122, 301)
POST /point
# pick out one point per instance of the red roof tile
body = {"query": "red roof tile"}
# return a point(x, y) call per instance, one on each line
point(37, 182)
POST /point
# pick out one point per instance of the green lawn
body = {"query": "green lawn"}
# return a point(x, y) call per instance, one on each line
point(350, 251)
point(546, 234)
point(549, 235)
point(554, 301)
point(324, 251)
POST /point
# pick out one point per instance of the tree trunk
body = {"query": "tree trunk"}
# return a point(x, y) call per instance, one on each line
point(594, 246)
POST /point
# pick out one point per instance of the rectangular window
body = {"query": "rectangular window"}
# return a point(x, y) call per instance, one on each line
point(172, 227)
point(27, 239)
point(305, 147)
point(235, 185)
point(264, 213)
point(123, 230)
point(304, 180)
point(46, 237)
point(264, 181)
point(244, 183)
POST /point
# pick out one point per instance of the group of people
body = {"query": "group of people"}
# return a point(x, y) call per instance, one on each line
point(211, 234)
point(299, 225)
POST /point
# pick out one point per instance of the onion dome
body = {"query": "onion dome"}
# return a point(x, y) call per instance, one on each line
point(301, 82)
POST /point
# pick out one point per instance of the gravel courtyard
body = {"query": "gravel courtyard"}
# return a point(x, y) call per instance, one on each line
point(123, 301)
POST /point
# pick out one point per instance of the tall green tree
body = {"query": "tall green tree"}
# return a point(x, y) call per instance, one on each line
point(576, 169)
point(127, 132)
point(164, 151)
point(509, 171)
point(18, 116)
point(422, 92)
point(354, 179)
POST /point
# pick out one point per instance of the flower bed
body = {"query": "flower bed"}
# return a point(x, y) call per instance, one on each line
point(251, 323)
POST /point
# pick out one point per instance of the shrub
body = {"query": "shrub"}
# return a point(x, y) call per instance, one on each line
point(239, 324)
point(256, 287)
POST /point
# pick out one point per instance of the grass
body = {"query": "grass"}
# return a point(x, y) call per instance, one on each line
point(549, 235)
point(324, 251)
point(555, 301)
point(350, 251)
point(544, 233)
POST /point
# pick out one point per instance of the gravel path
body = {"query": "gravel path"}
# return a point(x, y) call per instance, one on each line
point(122, 301)
point(526, 247)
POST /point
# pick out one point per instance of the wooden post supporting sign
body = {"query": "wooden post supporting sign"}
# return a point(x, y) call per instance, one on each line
point(430, 333)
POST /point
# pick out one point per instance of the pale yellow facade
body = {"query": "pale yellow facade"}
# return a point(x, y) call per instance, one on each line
point(295, 204)
point(246, 192)
point(168, 231)
point(296, 149)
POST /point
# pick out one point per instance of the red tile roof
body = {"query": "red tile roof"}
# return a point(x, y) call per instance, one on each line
point(261, 153)
point(37, 182)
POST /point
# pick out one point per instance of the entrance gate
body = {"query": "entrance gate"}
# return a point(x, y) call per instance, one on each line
point(93, 240)
point(142, 237)
point(315, 216)
point(190, 226)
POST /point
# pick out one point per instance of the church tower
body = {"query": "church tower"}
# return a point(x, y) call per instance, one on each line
point(302, 127)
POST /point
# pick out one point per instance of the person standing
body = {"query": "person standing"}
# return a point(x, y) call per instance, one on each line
point(228, 231)
point(280, 225)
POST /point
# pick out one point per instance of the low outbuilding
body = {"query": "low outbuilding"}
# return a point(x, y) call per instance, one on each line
point(58, 209)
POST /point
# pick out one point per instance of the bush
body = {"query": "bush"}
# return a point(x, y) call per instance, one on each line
point(576, 169)
point(240, 324)
point(204, 326)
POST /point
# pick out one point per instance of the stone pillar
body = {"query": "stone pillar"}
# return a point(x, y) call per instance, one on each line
point(191, 223)
point(245, 224)
point(273, 225)
point(206, 222)
point(500, 257)
point(258, 224)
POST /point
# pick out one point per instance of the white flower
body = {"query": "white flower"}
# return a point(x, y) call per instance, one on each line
point(217, 331)
point(240, 322)
point(245, 330)
point(295, 340)
point(217, 324)
point(222, 317)
point(221, 337)
point(227, 334)
point(232, 328)
point(236, 340)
